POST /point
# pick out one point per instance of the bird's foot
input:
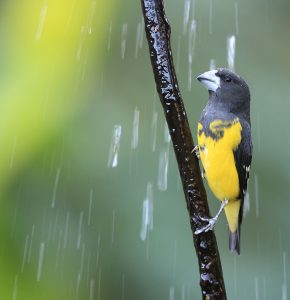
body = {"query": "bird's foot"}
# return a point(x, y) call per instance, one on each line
point(195, 150)
point(209, 226)
point(212, 221)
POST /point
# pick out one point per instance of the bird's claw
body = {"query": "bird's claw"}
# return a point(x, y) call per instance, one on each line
point(195, 150)
point(208, 227)
point(211, 222)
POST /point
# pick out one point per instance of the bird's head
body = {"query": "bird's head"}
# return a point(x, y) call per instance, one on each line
point(227, 88)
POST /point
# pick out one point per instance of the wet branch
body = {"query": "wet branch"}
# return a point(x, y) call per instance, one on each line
point(158, 35)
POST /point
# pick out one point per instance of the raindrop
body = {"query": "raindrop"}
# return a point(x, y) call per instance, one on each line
point(142, 34)
point(15, 288)
point(163, 169)
point(139, 35)
point(25, 253)
point(191, 46)
point(284, 285)
point(167, 137)
point(123, 40)
point(91, 16)
point(99, 284)
point(13, 152)
point(82, 260)
point(210, 16)
point(115, 146)
point(186, 15)
point(257, 194)
point(212, 64)
point(246, 203)
point(183, 292)
point(123, 287)
point(78, 285)
point(88, 267)
point(147, 213)
point(154, 130)
point(257, 288)
point(135, 131)
point(65, 239)
point(82, 37)
point(90, 207)
point(92, 287)
point(55, 188)
point(80, 230)
point(231, 47)
point(178, 53)
point(265, 289)
point(113, 226)
point(55, 227)
point(110, 35)
point(237, 18)
point(30, 244)
point(40, 26)
point(40, 261)
point(171, 293)
point(98, 250)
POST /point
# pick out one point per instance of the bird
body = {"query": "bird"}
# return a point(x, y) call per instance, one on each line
point(225, 147)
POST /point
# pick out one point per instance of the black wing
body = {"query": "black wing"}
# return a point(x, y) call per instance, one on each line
point(243, 158)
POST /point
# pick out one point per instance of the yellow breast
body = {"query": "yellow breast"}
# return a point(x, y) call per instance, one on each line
point(216, 153)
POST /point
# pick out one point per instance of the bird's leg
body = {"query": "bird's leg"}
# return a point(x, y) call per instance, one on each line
point(212, 221)
point(195, 150)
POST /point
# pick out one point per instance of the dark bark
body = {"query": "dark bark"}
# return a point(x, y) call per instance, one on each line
point(158, 35)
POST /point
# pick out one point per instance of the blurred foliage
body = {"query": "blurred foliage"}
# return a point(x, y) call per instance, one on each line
point(45, 53)
point(69, 225)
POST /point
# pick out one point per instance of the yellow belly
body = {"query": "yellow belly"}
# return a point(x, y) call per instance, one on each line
point(218, 159)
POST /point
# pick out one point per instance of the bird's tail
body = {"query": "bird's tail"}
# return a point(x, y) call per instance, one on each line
point(234, 241)
point(232, 211)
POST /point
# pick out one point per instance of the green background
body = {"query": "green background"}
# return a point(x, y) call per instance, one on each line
point(69, 224)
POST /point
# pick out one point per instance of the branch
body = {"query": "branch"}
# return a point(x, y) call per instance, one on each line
point(158, 35)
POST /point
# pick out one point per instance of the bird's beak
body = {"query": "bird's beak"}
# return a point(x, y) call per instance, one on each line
point(210, 80)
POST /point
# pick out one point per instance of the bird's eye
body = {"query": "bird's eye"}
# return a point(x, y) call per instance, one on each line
point(228, 79)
